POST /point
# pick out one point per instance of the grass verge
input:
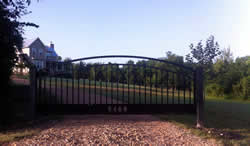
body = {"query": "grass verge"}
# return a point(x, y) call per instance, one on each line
point(24, 129)
point(227, 121)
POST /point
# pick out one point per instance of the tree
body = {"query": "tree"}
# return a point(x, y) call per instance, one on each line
point(11, 31)
point(204, 55)
point(174, 58)
point(68, 66)
point(246, 87)
point(226, 55)
point(59, 58)
point(67, 59)
point(243, 65)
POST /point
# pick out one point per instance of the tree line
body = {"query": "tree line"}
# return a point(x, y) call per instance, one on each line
point(143, 72)
point(224, 76)
point(229, 77)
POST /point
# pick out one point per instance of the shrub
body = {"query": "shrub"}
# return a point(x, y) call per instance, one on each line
point(245, 82)
point(237, 90)
point(214, 90)
point(242, 89)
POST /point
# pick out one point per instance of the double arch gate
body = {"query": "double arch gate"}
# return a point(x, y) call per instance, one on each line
point(148, 86)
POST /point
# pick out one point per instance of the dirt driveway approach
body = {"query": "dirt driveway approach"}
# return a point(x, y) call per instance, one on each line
point(113, 130)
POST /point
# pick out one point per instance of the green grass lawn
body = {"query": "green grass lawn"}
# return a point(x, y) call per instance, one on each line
point(87, 82)
point(226, 120)
point(131, 93)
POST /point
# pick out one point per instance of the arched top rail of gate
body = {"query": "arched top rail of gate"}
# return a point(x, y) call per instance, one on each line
point(131, 56)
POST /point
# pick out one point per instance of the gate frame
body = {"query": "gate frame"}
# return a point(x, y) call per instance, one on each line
point(200, 98)
point(198, 83)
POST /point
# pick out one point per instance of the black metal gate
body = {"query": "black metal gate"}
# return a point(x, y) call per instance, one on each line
point(148, 86)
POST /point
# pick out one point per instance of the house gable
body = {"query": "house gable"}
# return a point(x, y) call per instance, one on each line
point(37, 44)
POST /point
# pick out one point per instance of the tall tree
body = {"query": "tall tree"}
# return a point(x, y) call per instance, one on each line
point(11, 30)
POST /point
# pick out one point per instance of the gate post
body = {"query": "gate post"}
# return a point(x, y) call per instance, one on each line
point(199, 97)
point(33, 88)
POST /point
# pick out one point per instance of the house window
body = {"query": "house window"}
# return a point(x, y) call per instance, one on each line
point(33, 52)
point(36, 63)
point(41, 64)
point(40, 52)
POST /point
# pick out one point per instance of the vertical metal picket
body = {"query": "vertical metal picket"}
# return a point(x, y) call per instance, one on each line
point(128, 85)
point(95, 82)
point(117, 84)
point(73, 83)
point(61, 91)
point(167, 87)
point(173, 86)
point(124, 85)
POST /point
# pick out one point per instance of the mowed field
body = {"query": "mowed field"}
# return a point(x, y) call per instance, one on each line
point(66, 91)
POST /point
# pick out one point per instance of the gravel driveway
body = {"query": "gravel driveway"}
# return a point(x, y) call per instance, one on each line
point(113, 130)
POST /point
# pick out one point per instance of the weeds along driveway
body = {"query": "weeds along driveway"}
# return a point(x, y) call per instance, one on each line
point(113, 129)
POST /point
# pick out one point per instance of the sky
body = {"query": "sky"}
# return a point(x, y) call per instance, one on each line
point(83, 28)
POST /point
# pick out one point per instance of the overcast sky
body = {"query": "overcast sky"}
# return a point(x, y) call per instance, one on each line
point(82, 28)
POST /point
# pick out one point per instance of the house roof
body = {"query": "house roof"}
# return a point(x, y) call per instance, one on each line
point(51, 51)
point(54, 54)
point(28, 42)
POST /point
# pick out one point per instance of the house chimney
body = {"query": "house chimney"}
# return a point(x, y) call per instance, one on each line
point(52, 45)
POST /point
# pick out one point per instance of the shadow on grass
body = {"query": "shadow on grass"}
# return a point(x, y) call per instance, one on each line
point(17, 130)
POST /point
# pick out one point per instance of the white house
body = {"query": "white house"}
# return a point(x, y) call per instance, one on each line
point(38, 53)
